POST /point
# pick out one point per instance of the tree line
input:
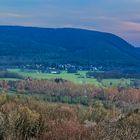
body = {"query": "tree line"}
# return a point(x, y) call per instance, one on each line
point(68, 92)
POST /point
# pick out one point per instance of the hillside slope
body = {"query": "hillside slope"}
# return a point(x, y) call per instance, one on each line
point(20, 45)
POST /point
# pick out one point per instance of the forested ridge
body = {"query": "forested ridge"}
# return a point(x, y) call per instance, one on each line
point(29, 45)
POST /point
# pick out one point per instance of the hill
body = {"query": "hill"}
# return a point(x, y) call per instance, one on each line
point(29, 45)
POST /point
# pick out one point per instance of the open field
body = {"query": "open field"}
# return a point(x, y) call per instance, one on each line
point(64, 75)
point(9, 79)
point(116, 82)
point(77, 79)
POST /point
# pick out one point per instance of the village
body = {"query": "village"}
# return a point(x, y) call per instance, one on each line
point(57, 69)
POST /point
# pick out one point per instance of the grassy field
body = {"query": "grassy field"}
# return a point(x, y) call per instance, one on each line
point(8, 79)
point(64, 75)
point(78, 79)
point(116, 82)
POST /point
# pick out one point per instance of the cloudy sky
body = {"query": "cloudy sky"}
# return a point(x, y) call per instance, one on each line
point(121, 17)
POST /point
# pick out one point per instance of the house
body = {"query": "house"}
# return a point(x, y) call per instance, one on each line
point(55, 72)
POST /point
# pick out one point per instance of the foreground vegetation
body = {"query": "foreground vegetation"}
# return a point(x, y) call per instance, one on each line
point(26, 118)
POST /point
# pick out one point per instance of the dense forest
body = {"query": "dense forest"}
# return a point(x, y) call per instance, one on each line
point(114, 74)
point(28, 45)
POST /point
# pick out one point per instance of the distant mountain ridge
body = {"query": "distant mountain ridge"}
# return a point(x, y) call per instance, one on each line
point(28, 45)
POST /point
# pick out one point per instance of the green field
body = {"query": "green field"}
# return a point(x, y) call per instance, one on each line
point(64, 75)
point(9, 79)
point(78, 79)
point(116, 82)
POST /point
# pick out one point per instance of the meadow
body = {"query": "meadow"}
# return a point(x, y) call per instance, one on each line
point(79, 78)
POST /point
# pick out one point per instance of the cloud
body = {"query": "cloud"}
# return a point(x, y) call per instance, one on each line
point(132, 26)
point(10, 15)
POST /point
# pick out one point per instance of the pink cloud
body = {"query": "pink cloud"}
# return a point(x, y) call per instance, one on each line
point(131, 26)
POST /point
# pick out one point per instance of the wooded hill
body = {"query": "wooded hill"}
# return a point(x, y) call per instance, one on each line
point(29, 45)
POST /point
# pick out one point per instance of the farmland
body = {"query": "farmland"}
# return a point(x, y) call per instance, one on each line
point(79, 78)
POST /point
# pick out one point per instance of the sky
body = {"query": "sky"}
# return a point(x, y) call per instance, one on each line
point(120, 17)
